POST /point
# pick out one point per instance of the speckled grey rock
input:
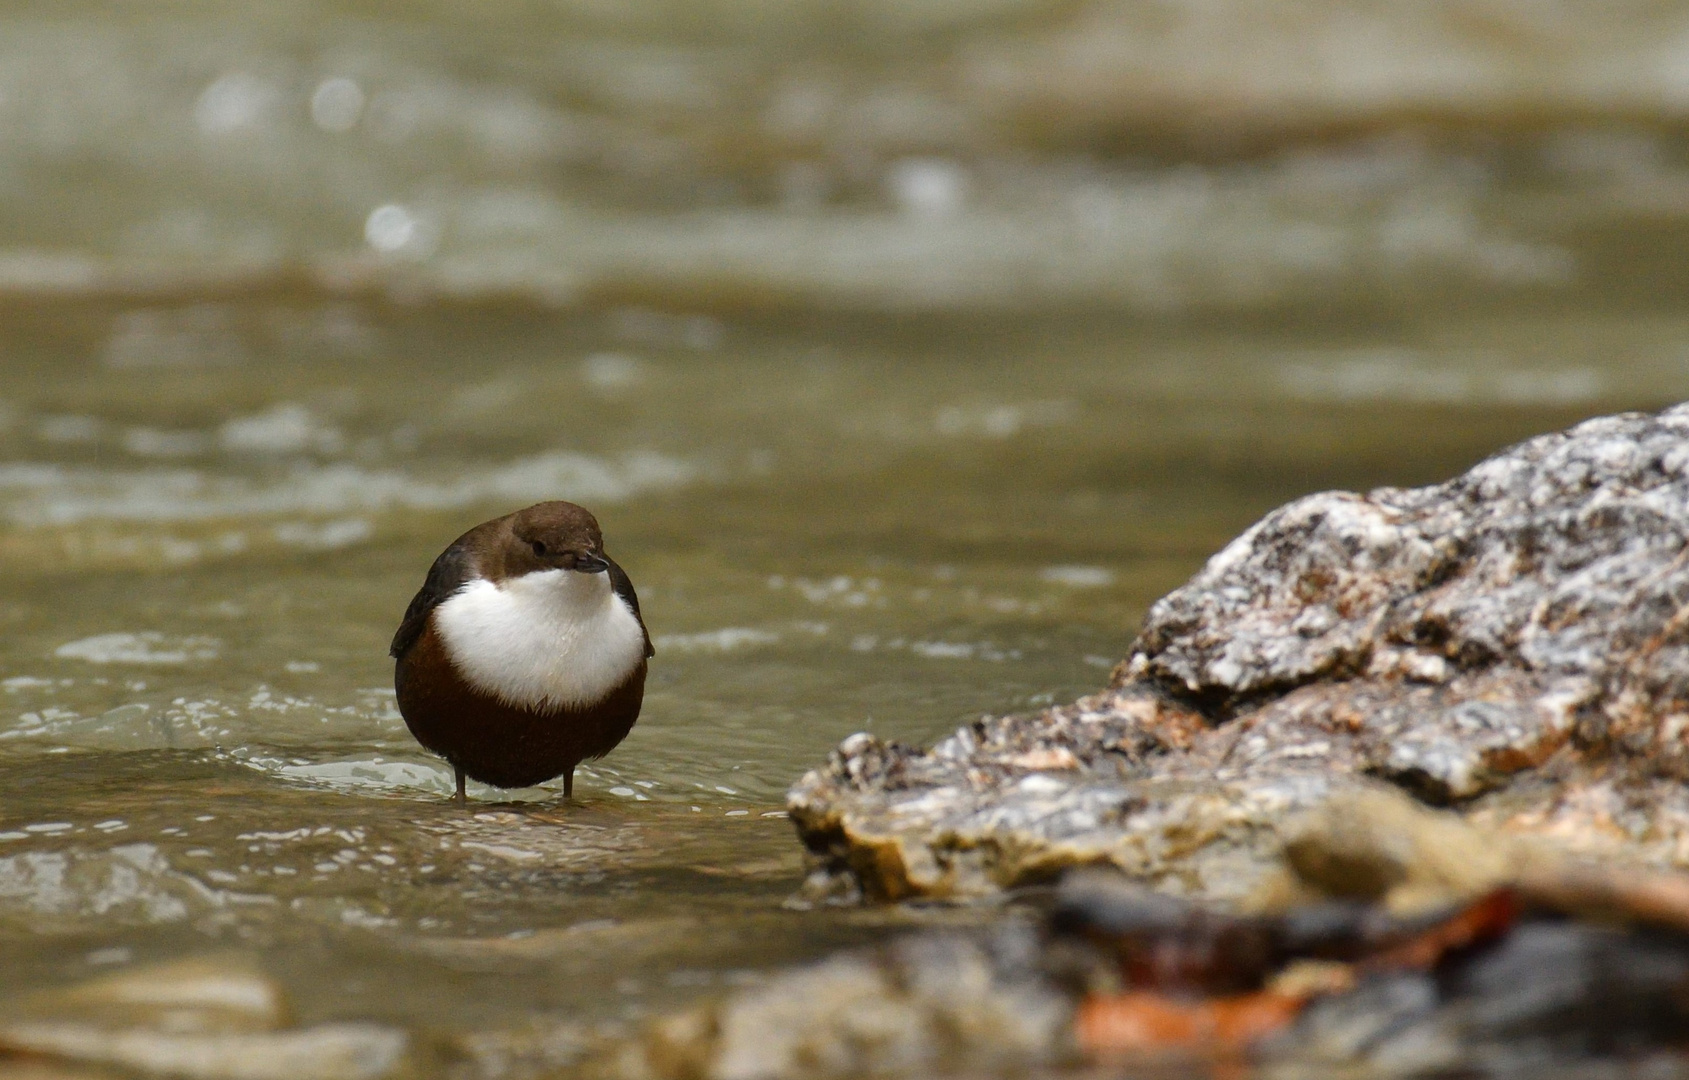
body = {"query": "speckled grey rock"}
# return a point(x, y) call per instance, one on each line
point(1513, 643)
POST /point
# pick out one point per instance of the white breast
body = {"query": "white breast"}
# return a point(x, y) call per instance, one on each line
point(544, 640)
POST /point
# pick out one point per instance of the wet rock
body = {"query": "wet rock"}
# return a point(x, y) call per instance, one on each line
point(220, 994)
point(1502, 986)
point(624, 940)
point(923, 1005)
point(350, 1051)
point(1374, 843)
point(1513, 643)
point(541, 1046)
point(1113, 976)
point(1552, 998)
point(211, 1018)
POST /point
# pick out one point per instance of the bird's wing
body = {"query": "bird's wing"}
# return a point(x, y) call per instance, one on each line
point(445, 577)
point(624, 589)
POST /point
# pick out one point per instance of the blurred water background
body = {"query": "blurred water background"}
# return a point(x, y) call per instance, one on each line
point(906, 352)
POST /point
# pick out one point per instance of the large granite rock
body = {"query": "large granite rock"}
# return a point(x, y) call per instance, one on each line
point(1513, 644)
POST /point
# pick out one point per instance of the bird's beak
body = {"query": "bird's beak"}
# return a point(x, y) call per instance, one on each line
point(590, 564)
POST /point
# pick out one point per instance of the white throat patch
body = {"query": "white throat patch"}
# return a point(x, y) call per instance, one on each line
point(549, 639)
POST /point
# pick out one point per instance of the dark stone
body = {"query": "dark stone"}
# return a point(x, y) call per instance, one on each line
point(1516, 989)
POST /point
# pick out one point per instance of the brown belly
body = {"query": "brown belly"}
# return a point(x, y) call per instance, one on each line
point(500, 744)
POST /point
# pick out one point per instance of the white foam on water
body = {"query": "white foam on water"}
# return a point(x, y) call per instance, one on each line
point(944, 650)
point(372, 776)
point(130, 883)
point(265, 718)
point(376, 776)
point(153, 443)
point(327, 536)
point(1077, 577)
point(285, 429)
point(611, 371)
point(927, 188)
point(146, 647)
point(723, 640)
point(937, 650)
point(1402, 375)
point(1001, 421)
point(45, 495)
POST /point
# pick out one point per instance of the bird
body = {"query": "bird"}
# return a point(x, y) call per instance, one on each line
point(524, 653)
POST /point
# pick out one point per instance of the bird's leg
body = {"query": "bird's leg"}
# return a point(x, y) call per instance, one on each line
point(462, 798)
point(569, 782)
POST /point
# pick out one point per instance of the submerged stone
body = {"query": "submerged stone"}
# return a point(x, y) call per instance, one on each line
point(349, 1051)
point(923, 1005)
point(1513, 643)
point(220, 994)
point(206, 1018)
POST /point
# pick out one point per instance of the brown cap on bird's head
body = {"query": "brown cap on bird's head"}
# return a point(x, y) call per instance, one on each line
point(546, 536)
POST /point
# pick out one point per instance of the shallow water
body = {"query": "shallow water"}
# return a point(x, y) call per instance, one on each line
point(906, 351)
point(834, 526)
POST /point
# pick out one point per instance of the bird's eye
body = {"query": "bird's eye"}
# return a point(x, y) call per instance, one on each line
point(538, 546)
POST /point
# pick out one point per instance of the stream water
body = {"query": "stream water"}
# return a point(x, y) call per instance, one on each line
point(901, 375)
point(862, 524)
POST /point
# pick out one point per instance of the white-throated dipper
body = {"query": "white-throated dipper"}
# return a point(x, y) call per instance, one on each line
point(524, 653)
